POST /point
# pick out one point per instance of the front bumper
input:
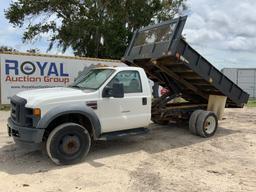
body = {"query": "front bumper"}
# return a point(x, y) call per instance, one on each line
point(25, 134)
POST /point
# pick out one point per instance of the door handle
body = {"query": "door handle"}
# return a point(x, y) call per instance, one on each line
point(144, 101)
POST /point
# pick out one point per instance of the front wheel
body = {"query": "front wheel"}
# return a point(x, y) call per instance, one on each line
point(68, 143)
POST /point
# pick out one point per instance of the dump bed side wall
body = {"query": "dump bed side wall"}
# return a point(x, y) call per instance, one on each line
point(211, 74)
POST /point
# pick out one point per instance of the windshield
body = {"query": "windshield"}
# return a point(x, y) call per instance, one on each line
point(93, 79)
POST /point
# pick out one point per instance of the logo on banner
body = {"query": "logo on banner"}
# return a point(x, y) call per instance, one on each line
point(28, 68)
point(35, 72)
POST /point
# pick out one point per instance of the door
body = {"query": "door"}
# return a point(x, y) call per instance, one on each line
point(132, 111)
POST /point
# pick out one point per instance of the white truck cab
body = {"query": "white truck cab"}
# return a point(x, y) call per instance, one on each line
point(106, 102)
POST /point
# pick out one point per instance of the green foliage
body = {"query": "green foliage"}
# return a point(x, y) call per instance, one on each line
point(33, 50)
point(95, 28)
point(7, 49)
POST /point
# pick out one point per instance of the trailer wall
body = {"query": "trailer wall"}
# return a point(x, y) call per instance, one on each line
point(243, 77)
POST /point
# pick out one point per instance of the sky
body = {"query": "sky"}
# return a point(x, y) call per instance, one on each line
point(12, 37)
point(223, 31)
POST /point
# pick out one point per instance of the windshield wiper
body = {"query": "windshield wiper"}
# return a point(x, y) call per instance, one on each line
point(79, 87)
point(75, 86)
point(90, 88)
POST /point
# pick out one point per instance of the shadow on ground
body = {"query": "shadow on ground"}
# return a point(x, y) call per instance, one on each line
point(19, 159)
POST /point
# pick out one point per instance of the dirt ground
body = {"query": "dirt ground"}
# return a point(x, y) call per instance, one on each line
point(168, 158)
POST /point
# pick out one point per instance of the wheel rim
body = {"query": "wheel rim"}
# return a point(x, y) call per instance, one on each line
point(69, 144)
point(210, 125)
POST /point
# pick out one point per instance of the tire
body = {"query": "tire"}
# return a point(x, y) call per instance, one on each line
point(68, 143)
point(206, 124)
point(192, 121)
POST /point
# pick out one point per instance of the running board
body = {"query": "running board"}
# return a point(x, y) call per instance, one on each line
point(124, 133)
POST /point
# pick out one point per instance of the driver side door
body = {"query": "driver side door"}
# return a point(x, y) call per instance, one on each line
point(125, 113)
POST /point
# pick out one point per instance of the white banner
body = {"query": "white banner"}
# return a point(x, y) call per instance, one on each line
point(21, 72)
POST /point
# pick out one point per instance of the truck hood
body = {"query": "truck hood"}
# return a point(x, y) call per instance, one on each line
point(52, 95)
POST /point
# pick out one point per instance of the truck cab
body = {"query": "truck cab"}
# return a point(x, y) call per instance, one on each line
point(106, 102)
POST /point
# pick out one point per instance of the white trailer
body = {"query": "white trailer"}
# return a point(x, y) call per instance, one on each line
point(243, 77)
point(25, 71)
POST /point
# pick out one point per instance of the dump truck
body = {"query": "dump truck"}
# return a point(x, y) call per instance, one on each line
point(113, 102)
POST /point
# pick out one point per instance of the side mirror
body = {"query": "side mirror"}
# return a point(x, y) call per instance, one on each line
point(116, 91)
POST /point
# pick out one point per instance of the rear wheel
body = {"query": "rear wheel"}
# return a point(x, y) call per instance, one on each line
point(68, 143)
point(192, 121)
point(206, 124)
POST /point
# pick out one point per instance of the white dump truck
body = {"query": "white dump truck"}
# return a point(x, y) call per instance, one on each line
point(113, 102)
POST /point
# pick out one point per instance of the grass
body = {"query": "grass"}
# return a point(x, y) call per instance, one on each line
point(4, 107)
point(251, 103)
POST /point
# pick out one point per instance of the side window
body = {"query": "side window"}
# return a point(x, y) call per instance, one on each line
point(130, 80)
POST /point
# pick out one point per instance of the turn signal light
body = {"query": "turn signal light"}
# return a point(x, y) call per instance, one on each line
point(37, 112)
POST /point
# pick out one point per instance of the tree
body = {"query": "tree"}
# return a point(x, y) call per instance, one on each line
point(33, 50)
point(95, 28)
point(4, 48)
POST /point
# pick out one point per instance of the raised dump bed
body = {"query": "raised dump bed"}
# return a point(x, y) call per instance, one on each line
point(169, 60)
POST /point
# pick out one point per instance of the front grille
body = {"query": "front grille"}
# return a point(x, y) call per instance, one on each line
point(21, 115)
point(13, 111)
